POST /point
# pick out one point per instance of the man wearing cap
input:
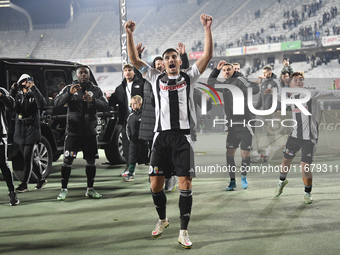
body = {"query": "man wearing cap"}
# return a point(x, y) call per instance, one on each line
point(131, 86)
point(28, 103)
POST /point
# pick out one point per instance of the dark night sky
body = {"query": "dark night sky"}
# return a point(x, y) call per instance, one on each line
point(46, 11)
point(58, 11)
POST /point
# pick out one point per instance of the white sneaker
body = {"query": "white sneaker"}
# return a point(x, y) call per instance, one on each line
point(308, 198)
point(280, 186)
point(160, 226)
point(183, 239)
point(172, 183)
point(124, 174)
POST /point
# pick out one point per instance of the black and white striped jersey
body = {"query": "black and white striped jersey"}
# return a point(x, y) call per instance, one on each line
point(307, 125)
point(174, 98)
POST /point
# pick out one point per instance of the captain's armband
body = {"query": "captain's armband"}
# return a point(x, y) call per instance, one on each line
point(144, 69)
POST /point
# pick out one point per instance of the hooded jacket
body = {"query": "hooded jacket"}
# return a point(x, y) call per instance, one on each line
point(265, 101)
point(27, 118)
point(138, 149)
point(242, 83)
point(81, 115)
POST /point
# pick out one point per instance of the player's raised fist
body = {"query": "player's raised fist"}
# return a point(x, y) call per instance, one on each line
point(206, 20)
point(130, 26)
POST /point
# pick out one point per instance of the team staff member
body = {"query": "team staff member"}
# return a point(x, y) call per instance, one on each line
point(131, 86)
point(83, 100)
point(6, 101)
point(28, 103)
point(238, 132)
point(265, 100)
point(175, 116)
point(303, 136)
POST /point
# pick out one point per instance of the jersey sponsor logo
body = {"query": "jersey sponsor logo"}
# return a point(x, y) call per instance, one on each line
point(173, 87)
point(297, 110)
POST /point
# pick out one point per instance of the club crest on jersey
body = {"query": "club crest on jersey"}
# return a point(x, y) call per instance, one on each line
point(155, 170)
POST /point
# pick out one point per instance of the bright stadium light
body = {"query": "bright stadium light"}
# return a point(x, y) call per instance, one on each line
point(5, 3)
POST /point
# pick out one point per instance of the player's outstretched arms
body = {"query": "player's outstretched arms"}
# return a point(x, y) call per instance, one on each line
point(130, 27)
point(204, 60)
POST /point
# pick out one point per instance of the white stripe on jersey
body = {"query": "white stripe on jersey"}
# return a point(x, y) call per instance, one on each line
point(174, 107)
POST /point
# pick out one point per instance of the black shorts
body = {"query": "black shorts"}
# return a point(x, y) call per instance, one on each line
point(172, 151)
point(240, 134)
point(293, 145)
point(88, 145)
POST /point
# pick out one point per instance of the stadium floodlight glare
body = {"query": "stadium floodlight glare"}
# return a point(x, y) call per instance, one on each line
point(5, 3)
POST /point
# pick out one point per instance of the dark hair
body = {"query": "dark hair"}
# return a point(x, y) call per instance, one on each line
point(82, 66)
point(228, 64)
point(268, 68)
point(296, 74)
point(127, 66)
point(170, 50)
point(284, 71)
point(154, 61)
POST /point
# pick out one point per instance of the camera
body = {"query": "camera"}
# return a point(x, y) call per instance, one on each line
point(30, 79)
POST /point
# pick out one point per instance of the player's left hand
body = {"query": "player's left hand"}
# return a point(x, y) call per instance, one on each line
point(206, 20)
point(181, 48)
point(88, 96)
point(139, 48)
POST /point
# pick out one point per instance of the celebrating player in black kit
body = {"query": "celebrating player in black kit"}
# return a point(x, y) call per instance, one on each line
point(175, 117)
point(238, 129)
point(303, 136)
